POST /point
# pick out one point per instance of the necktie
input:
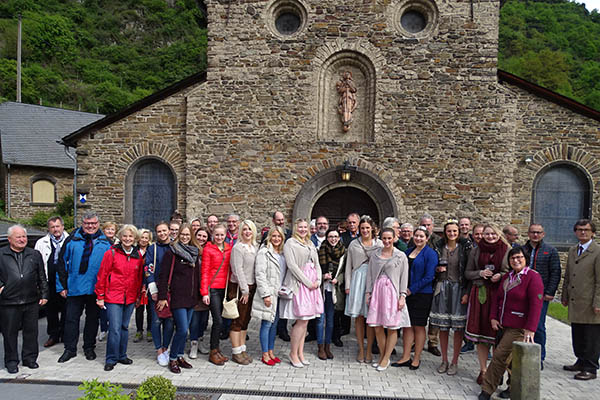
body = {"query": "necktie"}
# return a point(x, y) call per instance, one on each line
point(580, 250)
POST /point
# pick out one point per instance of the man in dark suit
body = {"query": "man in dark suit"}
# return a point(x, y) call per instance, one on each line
point(352, 231)
point(581, 293)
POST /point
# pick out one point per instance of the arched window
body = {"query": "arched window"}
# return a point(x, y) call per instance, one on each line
point(43, 190)
point(561, 196)
point(153, 193)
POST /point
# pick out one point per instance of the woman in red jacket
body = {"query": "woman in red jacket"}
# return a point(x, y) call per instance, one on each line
point(117, 289)
point(215, 267)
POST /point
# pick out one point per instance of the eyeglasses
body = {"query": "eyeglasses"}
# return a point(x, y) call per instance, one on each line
point(91, 223)
point(536, 232)
point(582, 230)
point(333, 237)
point(517, 257)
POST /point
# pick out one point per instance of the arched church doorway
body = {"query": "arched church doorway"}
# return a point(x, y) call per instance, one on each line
point(335, 194)
point(337, 203)
point(151, 193)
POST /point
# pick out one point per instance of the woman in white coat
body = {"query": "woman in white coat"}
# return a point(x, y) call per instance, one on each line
point(270, 268)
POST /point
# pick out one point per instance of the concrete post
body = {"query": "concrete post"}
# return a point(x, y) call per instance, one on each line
point(525, 378)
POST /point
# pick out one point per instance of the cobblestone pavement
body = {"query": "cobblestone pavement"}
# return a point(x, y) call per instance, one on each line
point(340, 377)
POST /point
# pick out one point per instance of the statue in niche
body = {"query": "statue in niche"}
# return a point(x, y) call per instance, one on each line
point(347, 103)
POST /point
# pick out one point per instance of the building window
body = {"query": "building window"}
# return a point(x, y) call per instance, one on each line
point(286, 18)
point(561, 196)
point(43, 191)
point(415, 18)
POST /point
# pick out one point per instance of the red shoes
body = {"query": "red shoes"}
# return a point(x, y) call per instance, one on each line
point(268, 362)
point(276, 359)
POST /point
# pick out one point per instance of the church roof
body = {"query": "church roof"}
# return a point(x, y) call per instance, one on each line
point(200, 77)
point(503, 76)
point(29, 133)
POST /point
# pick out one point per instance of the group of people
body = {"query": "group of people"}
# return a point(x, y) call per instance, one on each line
point(472, 280)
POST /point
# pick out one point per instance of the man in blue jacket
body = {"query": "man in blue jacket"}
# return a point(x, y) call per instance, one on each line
point(544, 259)
point(79, 263)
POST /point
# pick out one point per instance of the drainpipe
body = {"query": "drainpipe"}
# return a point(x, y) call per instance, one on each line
point(8, 190)
point(72, 157)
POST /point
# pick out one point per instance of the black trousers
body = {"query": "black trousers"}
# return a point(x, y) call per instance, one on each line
point(282, 326)
point(75, 307)
point(12, 318)
point(586, 345)
point(139, 317)
point(216, 309)
point(55, 314)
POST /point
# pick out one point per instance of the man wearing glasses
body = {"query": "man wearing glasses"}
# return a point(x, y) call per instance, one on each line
point(78, 265)
point(544, 259)
point(581, 293)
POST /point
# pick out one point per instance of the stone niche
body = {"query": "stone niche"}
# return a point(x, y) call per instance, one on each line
point(330, 125)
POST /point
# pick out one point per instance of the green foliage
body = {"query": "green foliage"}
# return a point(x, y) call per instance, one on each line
point(156, 388)
point(64, 209)
point(555, 44)
point(101, 55)
point(95, 390)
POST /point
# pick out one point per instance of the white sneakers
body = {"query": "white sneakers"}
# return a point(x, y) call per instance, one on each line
point(203, 346)
point(163, 358)
point(194, 349)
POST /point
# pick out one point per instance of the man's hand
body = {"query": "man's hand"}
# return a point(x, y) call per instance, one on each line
point(64, 293)
point(42, 301)
point(1, 289)
point(547, 297)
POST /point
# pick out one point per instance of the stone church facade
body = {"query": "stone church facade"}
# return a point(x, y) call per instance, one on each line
point(431, 123)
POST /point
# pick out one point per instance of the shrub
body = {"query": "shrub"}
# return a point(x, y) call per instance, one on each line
point(156, 388)
point(95, 390)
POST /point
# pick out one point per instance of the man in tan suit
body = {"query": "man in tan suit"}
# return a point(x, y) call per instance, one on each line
point(581, 293)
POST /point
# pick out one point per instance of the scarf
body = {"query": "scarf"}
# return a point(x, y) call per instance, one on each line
point(87, 249)
point(188, 252)
point(57, 243)
point(329, 256)
point(232, 238)
point(491, 253)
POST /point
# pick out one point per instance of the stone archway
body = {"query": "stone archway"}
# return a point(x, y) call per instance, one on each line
point(330, 178)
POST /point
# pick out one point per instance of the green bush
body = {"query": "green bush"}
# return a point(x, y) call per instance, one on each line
point(156, 388)
point(40, 218)
point(95, 390)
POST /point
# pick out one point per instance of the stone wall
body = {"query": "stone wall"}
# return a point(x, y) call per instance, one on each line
point(21, 206)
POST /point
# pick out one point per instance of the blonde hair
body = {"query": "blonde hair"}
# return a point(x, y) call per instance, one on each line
point(149, 232)
point(252, 227)
point(498, 232)
point(113, 224)
point(127, 227)
point(295, 233)
point(279, 230)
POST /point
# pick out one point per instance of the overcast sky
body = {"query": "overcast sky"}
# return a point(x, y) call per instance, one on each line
point(590, 4)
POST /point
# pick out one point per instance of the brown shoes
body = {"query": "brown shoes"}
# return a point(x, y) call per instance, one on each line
point(328, 351)
point(214, 357)
point(321, 353)
point(183, 364)
point(574, 367)
point(247, 357)
point(240, 359)
point(585, 376)
point(222, 356)
point(50, 342)
point(173, 367)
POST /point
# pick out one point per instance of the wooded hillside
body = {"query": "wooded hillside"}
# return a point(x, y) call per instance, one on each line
point(102, 55)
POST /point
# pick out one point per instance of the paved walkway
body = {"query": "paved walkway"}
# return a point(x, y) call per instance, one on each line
point(340, 378)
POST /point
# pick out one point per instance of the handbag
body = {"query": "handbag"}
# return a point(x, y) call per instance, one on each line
point(230, 307)
point(285, 292)
point(166, 310)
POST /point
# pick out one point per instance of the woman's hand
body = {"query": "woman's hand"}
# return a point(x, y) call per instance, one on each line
point(100, 303)
point(401, 302)
point(408, 292)
point(347, 291)
point(315, 285)
point(155, 297)
point(244, 298)
point(486, 273)
point(528, 338)
point(334, 281)
point(496, 277)
point(496, 325)
point(206, 300)
point(267, 301)
point(327, 277)
point(161, 304)
point(441, 269)
point(464, 299)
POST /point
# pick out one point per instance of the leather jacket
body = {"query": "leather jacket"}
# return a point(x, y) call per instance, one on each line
point(22, 285)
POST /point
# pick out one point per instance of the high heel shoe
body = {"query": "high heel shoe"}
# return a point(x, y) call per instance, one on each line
point(381, 368)
point(295, 365)
point(305, 362)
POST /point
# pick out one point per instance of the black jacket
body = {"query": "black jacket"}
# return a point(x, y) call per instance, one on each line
point(547, 263)
point(22, 285)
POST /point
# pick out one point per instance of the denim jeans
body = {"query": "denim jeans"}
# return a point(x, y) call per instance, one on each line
point(326, 319)
point(162, 339)
point(119, 316)
point(74, 309)
point(540, 333)
point(216, 309)
point(198, 324)
point(268, 331)
point(182, 318)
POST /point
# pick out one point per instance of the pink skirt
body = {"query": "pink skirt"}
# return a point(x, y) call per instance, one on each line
point(383, 308)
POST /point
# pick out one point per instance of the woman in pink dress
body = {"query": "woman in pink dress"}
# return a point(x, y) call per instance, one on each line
point(387, 280)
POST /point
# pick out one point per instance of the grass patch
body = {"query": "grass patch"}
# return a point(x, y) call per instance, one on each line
point(558, 311)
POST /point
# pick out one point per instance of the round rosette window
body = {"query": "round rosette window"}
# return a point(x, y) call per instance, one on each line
point(416, 18)
point(286, 18)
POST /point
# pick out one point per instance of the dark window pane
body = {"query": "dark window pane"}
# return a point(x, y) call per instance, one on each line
point(153, 194)
point(413, 21)
point(288, 23)
point(561, 197)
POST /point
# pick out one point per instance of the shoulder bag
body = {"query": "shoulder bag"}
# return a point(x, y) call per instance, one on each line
point(166, 310)
point(230, 307)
